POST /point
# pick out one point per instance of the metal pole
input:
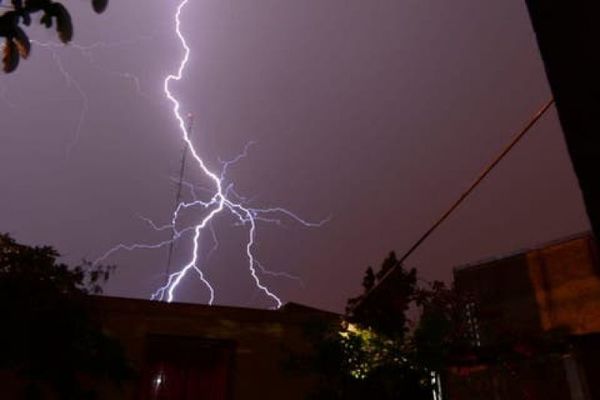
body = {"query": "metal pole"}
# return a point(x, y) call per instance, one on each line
point(178, 196)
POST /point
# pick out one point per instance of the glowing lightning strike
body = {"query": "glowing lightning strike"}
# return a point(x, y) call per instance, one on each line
point(219, 202)
point(219, 195)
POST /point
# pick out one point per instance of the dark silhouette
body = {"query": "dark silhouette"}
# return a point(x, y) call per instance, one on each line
point(385, 308)
point(49, 341)
point(379, 350)
point(568, 34)
point(17, 44)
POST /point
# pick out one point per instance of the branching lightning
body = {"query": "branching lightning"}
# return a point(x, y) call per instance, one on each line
point(222, 198)
point(87, 52)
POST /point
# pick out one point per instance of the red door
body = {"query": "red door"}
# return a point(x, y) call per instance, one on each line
point(183, 368)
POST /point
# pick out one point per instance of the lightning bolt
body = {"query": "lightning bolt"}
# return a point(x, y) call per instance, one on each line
point(222, 199)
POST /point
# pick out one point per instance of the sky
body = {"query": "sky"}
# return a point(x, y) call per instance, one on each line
point(372, 115)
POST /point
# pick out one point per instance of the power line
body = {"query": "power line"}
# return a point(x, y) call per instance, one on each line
point(479, 178)
point(482, 175)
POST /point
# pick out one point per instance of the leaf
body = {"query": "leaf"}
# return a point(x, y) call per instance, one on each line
point(46, 20)
point(22, 42)
point(26, 19)
point(10, 56)
point(64, 26)
point(99, 5)
point(8, 22)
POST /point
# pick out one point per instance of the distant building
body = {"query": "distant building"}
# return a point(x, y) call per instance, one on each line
point(548, 295)
point(190, 351)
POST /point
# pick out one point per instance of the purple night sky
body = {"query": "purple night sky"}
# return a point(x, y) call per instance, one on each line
point(377, 114)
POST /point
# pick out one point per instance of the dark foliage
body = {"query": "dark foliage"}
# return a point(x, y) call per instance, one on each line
point(386, 381)
point(17, 44)
point(367, 354)
point(398, 335)
point(385, 310)
point(49, 338)
point(377, 350)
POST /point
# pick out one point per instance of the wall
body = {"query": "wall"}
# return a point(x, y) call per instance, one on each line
point(555, 287)
point(552, 289)
point(566, 279)
point(263, 340)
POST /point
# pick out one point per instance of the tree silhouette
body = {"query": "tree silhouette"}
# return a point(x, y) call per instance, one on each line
point(385, 349)
point(384, 309)
point(20, 12)
point(49, 339)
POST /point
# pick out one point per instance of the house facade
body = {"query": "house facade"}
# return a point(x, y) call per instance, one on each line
point(191, 351)
point(538, 313)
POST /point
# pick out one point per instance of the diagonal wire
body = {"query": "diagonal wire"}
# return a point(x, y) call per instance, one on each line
point(482, 175)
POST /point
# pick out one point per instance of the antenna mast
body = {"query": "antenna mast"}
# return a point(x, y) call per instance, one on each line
point(178, 194)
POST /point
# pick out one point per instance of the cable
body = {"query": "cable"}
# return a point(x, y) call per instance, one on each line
point(482, 175)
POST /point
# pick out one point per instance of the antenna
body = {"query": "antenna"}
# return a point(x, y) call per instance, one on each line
point(189, 128)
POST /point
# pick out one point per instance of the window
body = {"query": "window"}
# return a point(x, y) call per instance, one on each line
point(473, 324)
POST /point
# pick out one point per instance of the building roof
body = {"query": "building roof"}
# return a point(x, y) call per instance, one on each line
point(290, 312)
point(484, 262)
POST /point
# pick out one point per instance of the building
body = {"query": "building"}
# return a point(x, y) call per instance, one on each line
point(192, 351)
point(544, 305)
